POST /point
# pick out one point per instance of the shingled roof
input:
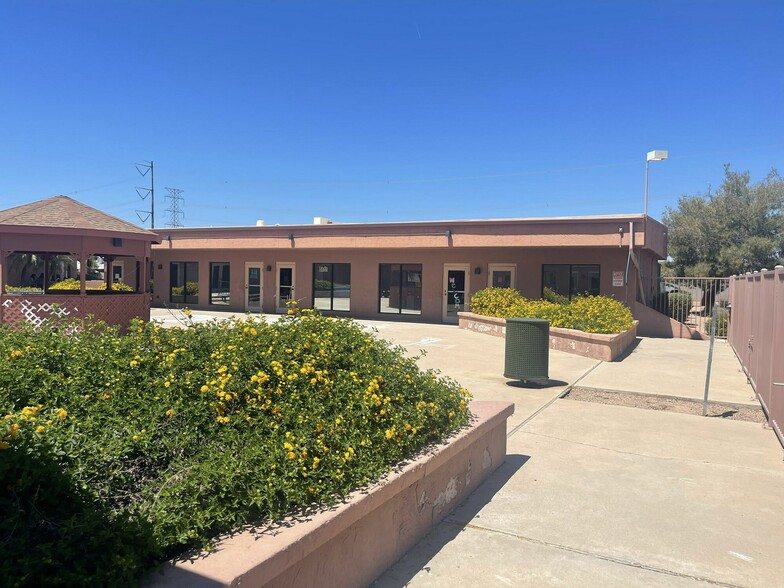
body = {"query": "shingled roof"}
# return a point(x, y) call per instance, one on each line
point(66, 213)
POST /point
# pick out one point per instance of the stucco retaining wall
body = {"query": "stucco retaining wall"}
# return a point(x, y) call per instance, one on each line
point(594, 345)
point(353, 543)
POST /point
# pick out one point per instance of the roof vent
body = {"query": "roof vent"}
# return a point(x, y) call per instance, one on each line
point(322, 220)
point(260, 223)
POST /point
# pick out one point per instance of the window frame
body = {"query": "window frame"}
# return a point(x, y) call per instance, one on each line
point(226, 299)
point(332, 266)
point(186, 299)
point(401, 286)
point(572, 286)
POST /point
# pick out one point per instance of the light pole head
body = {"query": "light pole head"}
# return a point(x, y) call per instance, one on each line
point(657, 155)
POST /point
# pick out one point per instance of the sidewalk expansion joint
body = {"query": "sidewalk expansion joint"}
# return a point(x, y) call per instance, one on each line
point(547, 405)
point(661, 457)
point(608, 558)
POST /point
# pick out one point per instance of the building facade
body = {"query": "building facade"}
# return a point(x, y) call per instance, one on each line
point(419, 271)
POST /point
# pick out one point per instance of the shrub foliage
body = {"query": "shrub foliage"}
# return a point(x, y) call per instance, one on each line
point(592, 314)
point(118, 451)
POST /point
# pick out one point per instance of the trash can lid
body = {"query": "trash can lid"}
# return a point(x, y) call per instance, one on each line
point(535, 321)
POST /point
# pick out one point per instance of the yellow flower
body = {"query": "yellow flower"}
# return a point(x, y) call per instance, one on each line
point(134, 363)
point(291, 455)
point(205, 388)
point(62, 413)
point(166, 384)
point(169, 412)
point(39, 429)
point(186, 311)
point(3, 445)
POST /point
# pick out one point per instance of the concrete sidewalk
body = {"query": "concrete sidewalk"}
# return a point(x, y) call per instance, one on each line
point(603, 495)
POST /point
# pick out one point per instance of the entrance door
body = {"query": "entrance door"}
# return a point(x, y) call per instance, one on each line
point(253, 286)
point(455, 291)
point(285, 286)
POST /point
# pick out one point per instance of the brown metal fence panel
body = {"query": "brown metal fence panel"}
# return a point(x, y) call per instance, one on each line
point(756, 333)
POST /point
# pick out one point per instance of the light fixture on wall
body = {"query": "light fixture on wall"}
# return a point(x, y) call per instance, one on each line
point(269, 268)
point(291, 237)
point(448, 233)
point(477, 270)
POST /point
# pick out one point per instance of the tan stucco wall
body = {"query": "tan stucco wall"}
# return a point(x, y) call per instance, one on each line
point(365, 272)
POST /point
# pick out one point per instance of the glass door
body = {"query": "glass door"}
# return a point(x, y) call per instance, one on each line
point(253, 286)
point(455, 291)
point(285, 286)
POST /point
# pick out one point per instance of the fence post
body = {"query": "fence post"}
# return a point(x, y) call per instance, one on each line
point(714, 316)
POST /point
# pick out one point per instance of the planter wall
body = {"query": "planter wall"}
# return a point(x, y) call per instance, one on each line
point(594, 345)
point(355, 542)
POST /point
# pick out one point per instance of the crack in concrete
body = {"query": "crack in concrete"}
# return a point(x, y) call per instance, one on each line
point(608, 558)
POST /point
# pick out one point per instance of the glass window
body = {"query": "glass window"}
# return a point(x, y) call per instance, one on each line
point(400, 288)
point(571, 280)
point(502, 279)
point(332, 286)
point(219, 283)
point(184, 282)
point(585, 280)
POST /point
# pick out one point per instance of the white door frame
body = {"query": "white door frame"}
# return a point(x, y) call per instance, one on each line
point(466, 267)
point(502, 267)
point(260, 265)
point(282, 265)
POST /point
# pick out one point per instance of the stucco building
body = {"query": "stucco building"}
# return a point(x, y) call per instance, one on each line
point(408, 270)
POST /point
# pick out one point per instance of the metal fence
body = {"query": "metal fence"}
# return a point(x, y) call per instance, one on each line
point(757, 335)
point(690, 301)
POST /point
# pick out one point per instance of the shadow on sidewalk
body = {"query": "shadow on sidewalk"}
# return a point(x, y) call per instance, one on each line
point(416, 558)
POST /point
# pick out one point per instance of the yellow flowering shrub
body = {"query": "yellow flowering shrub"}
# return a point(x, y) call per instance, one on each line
point(119, 451)
point(592, 314)
point(71, 284)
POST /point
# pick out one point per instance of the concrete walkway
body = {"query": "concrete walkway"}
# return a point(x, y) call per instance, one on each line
point(598, 495)
point(602, 495)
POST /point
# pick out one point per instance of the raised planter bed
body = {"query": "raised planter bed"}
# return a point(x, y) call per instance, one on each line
point(354, 542)
point(594, 345)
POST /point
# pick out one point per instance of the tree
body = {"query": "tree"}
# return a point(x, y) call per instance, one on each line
point(738, 229)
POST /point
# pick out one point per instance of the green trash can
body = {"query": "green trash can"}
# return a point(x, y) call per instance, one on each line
point(527, 349)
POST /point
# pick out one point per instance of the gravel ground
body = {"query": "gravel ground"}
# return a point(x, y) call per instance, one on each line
point(752, 414)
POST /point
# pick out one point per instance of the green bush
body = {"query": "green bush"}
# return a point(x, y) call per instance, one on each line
point(189, 289)
point(551, 295)
point(592, 314)
point(722, 323)
point(118, 451)
point(678, 305)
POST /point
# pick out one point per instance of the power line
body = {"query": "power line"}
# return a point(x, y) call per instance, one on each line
point(176, 213)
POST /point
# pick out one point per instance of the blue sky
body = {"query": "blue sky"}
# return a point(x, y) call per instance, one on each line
point(386, 111)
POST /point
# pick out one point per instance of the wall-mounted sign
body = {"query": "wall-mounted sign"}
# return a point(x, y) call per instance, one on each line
point(618, 278)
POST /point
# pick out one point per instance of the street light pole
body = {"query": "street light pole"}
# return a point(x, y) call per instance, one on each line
point(657, 155)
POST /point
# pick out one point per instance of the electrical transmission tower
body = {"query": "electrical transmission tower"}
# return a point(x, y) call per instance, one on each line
point(176, 213)
point(148, 168)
